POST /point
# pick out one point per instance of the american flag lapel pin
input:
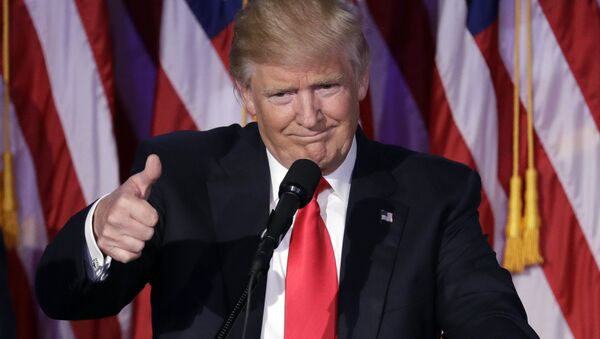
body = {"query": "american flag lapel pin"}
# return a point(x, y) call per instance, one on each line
point(387, 216)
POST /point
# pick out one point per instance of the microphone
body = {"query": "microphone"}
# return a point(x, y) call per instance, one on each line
point(295, 191)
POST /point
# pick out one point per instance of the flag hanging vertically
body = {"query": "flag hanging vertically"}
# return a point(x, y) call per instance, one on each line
point(90, 79)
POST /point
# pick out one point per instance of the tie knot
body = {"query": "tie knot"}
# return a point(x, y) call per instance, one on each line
point(323, 185)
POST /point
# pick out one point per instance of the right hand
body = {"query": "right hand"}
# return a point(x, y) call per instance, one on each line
point(124, 220)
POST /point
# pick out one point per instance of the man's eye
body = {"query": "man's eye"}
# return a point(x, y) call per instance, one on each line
point(328, 89)
point(280, 98)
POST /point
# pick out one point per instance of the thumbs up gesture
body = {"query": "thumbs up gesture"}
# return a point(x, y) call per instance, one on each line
point(124, 220)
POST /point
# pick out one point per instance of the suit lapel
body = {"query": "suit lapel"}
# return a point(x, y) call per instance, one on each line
point(374, 225)
point(238, 188)
point(239, 191)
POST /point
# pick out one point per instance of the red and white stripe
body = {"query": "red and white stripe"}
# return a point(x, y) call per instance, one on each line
point(78, 94)
point(452, 91)
point(466, 80)
point(389, 90)
point(63, 128)
point(471, 121)
point(207, 92)
point(570, 139)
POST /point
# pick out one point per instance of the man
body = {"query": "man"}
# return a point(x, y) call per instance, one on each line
point(400, 251)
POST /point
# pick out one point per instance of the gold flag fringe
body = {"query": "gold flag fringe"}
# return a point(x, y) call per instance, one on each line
point(8, 220)
point(513, 255)
point(531, 219)
point(523, 230)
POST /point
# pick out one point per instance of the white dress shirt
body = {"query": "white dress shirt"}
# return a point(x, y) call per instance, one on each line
point(333, 203)
point(99, 264)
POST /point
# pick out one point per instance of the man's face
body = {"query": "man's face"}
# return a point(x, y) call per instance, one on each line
point(306, 112)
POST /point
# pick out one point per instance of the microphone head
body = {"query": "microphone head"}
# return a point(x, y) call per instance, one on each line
point(301, 179)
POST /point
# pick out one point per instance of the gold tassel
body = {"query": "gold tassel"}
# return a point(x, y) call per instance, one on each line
point(531, 221)
point(513, 249)
point(531, 218)
point(9, 204)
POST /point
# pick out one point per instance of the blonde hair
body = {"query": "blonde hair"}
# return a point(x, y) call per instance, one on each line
point(295, 33)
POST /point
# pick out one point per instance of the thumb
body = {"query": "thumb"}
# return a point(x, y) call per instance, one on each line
point(146, 178)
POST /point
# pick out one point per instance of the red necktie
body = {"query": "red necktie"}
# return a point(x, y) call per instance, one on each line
point(311, 285)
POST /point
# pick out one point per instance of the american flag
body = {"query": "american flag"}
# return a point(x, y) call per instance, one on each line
point(89, 79)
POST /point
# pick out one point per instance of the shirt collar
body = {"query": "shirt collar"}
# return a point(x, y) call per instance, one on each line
point(339, 180)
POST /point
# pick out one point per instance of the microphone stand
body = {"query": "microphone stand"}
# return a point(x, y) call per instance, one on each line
point(258, 270)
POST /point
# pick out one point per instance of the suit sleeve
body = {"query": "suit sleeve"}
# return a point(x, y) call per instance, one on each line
point(7, 318)
point(62, 284)
point(476, 297)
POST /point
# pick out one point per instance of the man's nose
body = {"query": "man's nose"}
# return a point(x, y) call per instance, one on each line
point(308, 110)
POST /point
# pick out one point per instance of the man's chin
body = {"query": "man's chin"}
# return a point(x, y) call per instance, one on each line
point(325, 163)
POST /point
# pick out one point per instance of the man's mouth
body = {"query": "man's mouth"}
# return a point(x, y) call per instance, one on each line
point(313, 136)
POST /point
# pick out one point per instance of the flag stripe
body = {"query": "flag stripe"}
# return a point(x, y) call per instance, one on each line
point(396, 117)
point(487, 41)
point(31, 321)
point(447, 140)
point(170, 72)
point(471, 98)
point(563, 122)
point(78, 94)
point(543, 312)
point(563, 255)
point(404, 25)
point(169, 112)
point(43, 131)
point(94, 17)
point(552, 224)
point(40, 124)
point(366, 116)
point(569, 264)
point(135, 85)
point(222, 44)
point(142, 313)
point(147, 17)
point(208, 96)
point(576, 26)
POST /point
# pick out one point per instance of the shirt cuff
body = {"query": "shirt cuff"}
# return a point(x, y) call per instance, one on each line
point(98, 264)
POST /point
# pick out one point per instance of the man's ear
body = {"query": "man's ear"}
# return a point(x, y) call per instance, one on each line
point(363, 85)
point(246, 93)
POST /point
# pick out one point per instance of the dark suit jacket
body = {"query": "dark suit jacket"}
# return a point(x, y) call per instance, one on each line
point(427, 270)
point(7, 319)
